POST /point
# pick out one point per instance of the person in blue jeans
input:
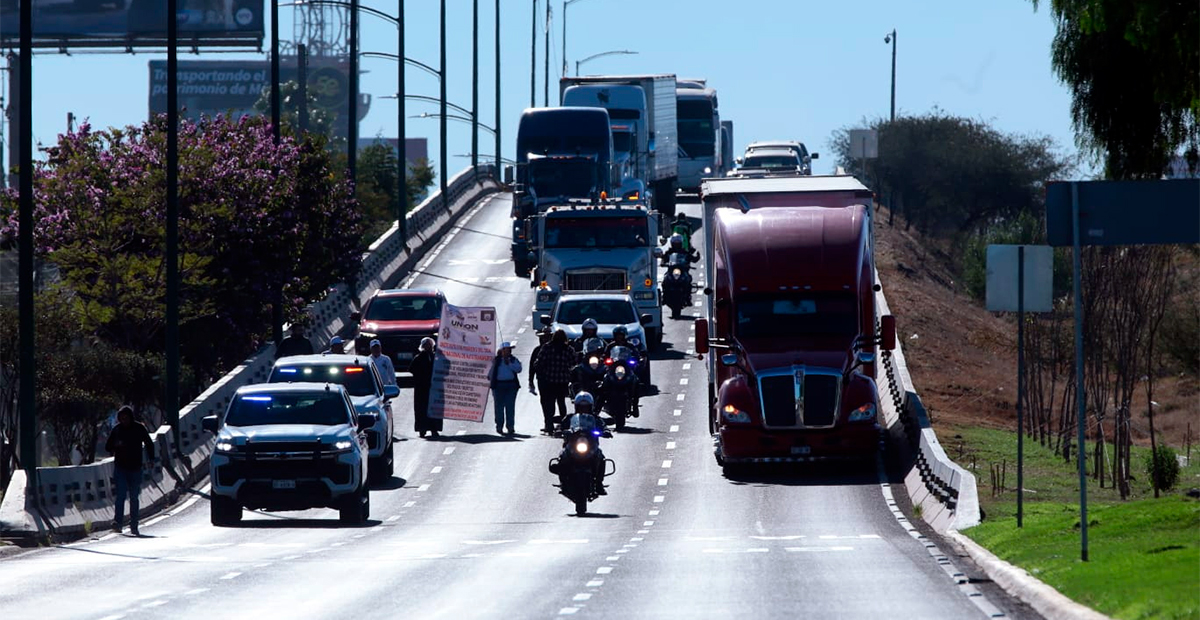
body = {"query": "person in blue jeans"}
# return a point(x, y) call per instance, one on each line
point(505, 379)
point(125, 444)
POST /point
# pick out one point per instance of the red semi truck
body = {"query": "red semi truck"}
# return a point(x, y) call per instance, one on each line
point(792, 326)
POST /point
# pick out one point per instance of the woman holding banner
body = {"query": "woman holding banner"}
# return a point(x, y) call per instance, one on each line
point(422, 372)
point(505, 379)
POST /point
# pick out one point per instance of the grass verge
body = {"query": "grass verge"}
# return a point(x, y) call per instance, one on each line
point(1144, 553)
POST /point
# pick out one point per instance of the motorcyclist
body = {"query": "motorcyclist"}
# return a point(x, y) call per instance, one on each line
point(620, 339)
point(590, 329)
point(683, 226)
point(589, 373)
point(585, 420)
point(677, 247)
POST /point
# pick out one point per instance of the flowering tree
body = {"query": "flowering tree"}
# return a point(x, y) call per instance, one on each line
point(254, 217)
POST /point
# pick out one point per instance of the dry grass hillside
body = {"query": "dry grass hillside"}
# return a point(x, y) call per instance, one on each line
point(963, 359)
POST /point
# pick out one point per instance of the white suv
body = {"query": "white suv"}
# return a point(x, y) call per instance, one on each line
point(290, 446)
point(367, 391)
point(608, 310)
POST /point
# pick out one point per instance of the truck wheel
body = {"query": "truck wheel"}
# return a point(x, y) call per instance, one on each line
point(356, 509)
point(224, 511)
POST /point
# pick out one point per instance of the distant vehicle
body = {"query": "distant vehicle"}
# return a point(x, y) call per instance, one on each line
point(290, 446)
point(771, 161)
point(367, 391)
point(797, 147)
point(699, 125)
point(399, 318)
point(608, 310)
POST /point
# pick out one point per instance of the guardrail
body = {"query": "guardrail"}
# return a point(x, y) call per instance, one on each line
point(945, 491)
point(74, 500)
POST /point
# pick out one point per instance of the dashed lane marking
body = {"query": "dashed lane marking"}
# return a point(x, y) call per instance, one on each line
point(582, 596)
point(604, 570)
point(409, 504)
point(566, 611)
point(662, 482)
point(612, 558)
point(679, 397)
point(687, 366)
point(667, 464)
point(113, 617)
point(195, 591)
point(595, 583)
point(448, 451)
point(817, 549)
point(674, 428)
point(390, 519)
point(647, 523)
point(670, 445)
point(423, 487)
point(658, 499)
point(683, 381)
point(230, 575)
point(436, 470)
point(653, 513)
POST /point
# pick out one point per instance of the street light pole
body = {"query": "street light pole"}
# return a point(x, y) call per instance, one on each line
point(891, 38)
point(352, 133)
point(546, 71)
point(26, 326)
point(497, 89)
point(442, 132)
point(474, 83)
point(277, 300)
point(533, 58)
point(583, 61)
point(401, 134)
point(171, 268)
point(566, 3)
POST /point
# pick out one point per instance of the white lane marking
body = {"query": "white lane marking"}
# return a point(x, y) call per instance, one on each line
point(409, 504)
point(670, 445)
point(560, 541)
point(758, 550)
point(653, 513)
point(462, 432)
point(582, 596)
point(667, 464)
point(662, 482)
point(637, 539)
point(595, 583)
point(423, 487)
point(195, 591)
point(612, 558)
point(674, 428)
point(621, 551)
point(529, 319)
point(687, 366)
point(159, 602)
point(691, 351)
point(566, 611)
point(230, 575)
point(691, 339)
point(113, 617)
point(604, 570)
point(679, 397)
point(436, 470)
point(390, 519)
point(647, 523)
point(683, 381)
point(658, 499)
point(791, 537)
point(448, 451)
point(488, 542)
point(817, 549)
point(521, 330)
point(293, 557)
point(678, 412)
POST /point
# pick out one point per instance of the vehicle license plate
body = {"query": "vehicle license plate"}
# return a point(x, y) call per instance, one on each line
point(801, 449)
point(283, 484)
point(404, 357)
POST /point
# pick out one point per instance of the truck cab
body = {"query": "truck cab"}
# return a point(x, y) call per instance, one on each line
point(628, 117)
point(792, 331)
point(600, 247)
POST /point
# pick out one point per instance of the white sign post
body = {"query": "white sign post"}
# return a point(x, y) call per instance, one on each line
point(466, 346)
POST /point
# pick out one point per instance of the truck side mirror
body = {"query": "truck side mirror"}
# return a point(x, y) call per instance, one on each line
point(209, 423)
point(814, 156)
point(356, 316)
point(508, 175)
point(701, 336)
point(729, 360)
point(887, 332)
point(391, 391)
point(366, 420)
point(544, 319)
point(738, 161)
point(646, 319)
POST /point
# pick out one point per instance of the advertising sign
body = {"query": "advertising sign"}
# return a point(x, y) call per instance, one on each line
point(466, 346)
point(133, 23)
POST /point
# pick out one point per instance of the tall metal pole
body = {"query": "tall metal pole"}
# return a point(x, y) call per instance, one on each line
point(302, 90)
point(442, 105)
point(893, 75)
point(564, 38)
point(352, 132)
point(401, 131)
point(546, 71)
point(277, 302)
point(172, 255)
point(474, 83)
point(1020, 386)
point(28, 380)
point(533, 58)
point(497, 133)
point(1080, 392)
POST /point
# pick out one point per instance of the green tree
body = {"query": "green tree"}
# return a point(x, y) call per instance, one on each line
point(1133, 67)
point(321, 120)
point(378, 169)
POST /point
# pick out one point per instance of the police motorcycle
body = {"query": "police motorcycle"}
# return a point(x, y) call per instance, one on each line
point(677, 285)
point(581, 466)
point(588, 375)
point(620, 387)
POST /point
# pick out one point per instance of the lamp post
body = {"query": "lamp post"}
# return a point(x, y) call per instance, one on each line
point(474, 82)
point(352, 130)
point(579, 63)
point(455, 117)
point(442, 130)
point(566, 3)
point(891, 38)
point(497, 132)
point(533, 58)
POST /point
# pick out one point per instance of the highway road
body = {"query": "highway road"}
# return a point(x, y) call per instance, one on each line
point(472, 528)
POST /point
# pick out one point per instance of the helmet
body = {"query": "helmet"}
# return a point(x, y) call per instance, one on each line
point(584, 399)
point(591, 324)
point(676, 240)
point(592, 345)
point(620, 330)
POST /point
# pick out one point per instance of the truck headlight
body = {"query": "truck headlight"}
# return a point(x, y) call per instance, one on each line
point(225, 446)
point(343, 444)
point(735, 415)
point(865, 413)
point(643, 295)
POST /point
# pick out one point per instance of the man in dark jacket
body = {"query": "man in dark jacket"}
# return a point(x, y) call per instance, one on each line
point(554, 363)
point(422, 372)
point(295, 344)
point(125, 444)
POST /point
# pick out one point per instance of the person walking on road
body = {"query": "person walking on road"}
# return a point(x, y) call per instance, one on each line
point(383, 363)
point(125, 443)
point(295, 344)
point(554, 363)
point(505, 379)
point(422, 372)
point(544, 335)
point(336, 345)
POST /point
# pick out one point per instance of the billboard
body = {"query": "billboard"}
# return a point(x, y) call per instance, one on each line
point(211, 87)
point(134, 23)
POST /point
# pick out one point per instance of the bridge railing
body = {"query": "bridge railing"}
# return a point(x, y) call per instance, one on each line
point(74, 500)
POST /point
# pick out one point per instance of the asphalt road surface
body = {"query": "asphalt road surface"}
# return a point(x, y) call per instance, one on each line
point(471, 527)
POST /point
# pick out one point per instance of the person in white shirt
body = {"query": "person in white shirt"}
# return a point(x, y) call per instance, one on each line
point(505, 379)
point(387, 371)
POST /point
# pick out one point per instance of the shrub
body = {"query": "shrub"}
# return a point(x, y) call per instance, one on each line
point(1163, 468)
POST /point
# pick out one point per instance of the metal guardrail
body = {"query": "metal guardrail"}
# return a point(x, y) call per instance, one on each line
point(75, 499)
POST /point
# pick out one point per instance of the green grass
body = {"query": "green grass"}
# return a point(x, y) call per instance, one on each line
point(1144, 553)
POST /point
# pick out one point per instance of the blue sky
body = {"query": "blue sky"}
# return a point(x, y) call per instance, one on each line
point(783, 69)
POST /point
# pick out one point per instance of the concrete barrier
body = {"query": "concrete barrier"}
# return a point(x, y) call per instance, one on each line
point(72, 501)
point(945, 492)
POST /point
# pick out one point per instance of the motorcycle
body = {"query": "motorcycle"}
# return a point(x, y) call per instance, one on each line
point(677, 285)
point(588, 376)
point(619, 393)
point(580, 460)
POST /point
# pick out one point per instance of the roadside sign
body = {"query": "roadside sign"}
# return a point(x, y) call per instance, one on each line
point(864, 143)
point(1002, 278)
point(1125, 212)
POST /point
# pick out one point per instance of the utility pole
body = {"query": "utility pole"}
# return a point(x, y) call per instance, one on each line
point(172, 254)
point(893, 118)
point(546, 75)
point(442, 117)
point(533, 58)
point(352, 133)
point(497, 134)
point(474, 84)
point(302, 90)
point(402, 133)
point(28, 380)
point(277, 302)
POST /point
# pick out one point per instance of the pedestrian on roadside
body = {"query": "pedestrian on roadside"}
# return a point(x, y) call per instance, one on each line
point(422, 372)
point(554, 363)
point(336, 345)
point(383, 363)
point(125, 443)
point(544, 335)
point(297, 343)
point(505, 380)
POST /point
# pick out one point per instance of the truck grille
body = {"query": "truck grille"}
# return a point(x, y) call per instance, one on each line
point(778, 400)
point(594, 281)
point(820, 399)
point(284, 469)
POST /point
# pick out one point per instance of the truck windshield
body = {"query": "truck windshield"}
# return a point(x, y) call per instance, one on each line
point(404, 309)
point(797, 315)
point(606, 311)
point(572, 178)
point(697, 137)
point(597, 232)
point(324, 408)
point(358, 379)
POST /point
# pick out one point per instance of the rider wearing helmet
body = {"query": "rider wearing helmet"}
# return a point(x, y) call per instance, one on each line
point(677, 247)
point(585, 419)
point(620, 339)
point(590, 329)
point(588, 375)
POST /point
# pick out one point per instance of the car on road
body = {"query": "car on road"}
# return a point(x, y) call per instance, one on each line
point(771, 161)
point(791, 145)
point(608, 310)
point(290, 446)
point(399, 319)
point(367, 391)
